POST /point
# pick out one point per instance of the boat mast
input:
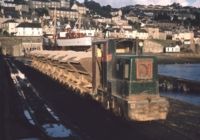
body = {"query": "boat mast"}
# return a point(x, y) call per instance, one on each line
point(55, 30)
point(79, 23)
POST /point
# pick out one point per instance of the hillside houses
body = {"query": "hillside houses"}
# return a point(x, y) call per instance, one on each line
point(10, 26)
point(132, 18)
point(36, 17)
point(174, 49)
point(80, 8)
point(153, 32)
point(63, 12)
point(49, 3)
point(116, 12)
point(183, 36)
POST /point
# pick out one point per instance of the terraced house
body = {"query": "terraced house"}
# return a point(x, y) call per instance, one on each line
point(80, 8)
point(63, 12)
point(49, 3)
point(10, 26)
point(29, 29)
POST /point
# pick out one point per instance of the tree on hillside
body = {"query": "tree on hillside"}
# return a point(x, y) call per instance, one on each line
point(71, 2)
point(18, 1)
point(135, 25)
point(196, 21)
point(162, 16)
point(187, 22)
point(85, 1)
point(42, 11)
point(96, 7)
point(176, 5)
point(5, 33)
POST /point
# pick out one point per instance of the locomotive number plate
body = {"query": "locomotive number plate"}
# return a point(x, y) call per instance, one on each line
point(144, 69)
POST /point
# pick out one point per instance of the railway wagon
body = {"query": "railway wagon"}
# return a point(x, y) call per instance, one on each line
point(113, 72)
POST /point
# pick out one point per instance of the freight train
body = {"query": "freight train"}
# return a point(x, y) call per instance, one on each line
point(113, 72)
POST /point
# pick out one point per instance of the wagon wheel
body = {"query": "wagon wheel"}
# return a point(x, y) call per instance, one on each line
point(116, 108)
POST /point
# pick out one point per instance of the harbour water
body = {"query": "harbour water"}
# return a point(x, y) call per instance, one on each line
point(184, 71)
point(188, 98)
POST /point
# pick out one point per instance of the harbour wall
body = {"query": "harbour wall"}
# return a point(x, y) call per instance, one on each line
point(168, 83)
point(19, 46)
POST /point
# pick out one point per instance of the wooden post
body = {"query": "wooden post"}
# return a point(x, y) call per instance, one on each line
point(94, 57)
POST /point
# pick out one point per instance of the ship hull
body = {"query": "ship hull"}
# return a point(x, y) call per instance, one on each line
point(83, 41)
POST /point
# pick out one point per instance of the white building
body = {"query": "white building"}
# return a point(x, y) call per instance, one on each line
point(8, 3)
point(116, 12)
point(136, 34)
point(103, 20)
point(174, 49)
point(63, 12)
point(80, 8)
point(132, 18)
point(10, 26)
point(49, 3)
point(1, 2)
point(183, 36)
point(142, 35)
point(88, 32)
point(22, 7)
point(29, 29)
point(65, 3)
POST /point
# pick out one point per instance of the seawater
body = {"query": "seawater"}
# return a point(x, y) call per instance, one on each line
point(184, 71)
point(188, 98)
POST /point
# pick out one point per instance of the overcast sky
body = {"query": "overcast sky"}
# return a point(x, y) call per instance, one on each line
point(121, 3)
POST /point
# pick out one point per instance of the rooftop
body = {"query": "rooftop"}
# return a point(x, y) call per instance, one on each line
point(79, 4)
point(26, 24)
point(10, 21)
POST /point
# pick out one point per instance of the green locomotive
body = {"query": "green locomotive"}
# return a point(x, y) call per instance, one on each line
point(114, 72)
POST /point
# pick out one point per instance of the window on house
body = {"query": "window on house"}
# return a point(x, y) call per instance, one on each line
point(24, 31)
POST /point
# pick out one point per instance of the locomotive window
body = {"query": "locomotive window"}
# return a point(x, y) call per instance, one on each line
point(125, 47)
point(123, 50)
point(117, 67)
point(126, 71)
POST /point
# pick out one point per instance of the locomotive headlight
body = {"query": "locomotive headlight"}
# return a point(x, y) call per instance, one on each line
point(141, 44)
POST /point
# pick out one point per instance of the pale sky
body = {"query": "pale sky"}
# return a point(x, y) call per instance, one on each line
point(121, 3)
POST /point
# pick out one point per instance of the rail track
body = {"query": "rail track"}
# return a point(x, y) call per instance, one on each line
point(35, 109)
point(100, 124)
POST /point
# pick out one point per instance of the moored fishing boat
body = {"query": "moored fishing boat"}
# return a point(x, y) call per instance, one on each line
point(73, 37)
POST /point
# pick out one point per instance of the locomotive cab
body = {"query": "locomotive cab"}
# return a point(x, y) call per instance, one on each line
point(134, 84)
point(134, 75)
